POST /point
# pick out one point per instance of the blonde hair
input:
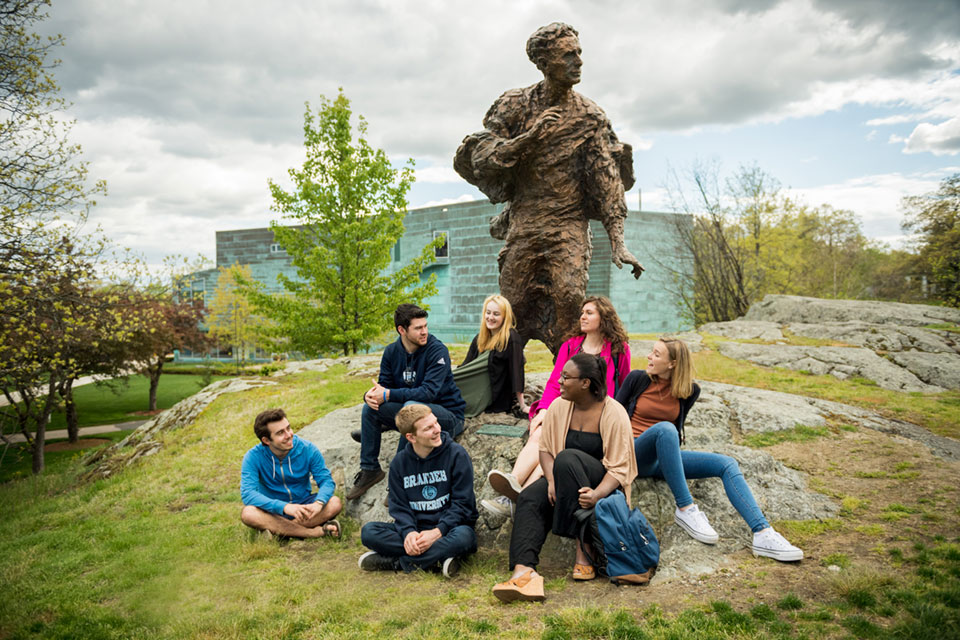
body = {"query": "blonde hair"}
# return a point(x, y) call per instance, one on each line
point(407, 418)
point(487, 341)
point(611, 329)
point(681, 381)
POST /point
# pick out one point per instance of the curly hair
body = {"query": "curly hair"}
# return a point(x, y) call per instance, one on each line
point(540, 43)
point(611, 329)
point(594, 369)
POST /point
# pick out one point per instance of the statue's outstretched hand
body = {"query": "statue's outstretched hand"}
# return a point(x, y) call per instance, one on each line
point(622, 256)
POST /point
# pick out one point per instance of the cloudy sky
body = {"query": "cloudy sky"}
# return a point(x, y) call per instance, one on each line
point(187, 108)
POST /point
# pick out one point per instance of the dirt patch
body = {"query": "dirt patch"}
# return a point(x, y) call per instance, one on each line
point(83, 443)
point(147, 413)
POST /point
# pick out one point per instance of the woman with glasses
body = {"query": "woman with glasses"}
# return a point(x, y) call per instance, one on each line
point(586, 453)
point(658, 401)
point(600, 333)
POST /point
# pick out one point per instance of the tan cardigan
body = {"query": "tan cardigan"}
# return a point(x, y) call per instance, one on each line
point(618, 457)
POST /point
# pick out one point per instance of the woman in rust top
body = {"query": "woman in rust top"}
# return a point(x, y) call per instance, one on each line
point(658, 401)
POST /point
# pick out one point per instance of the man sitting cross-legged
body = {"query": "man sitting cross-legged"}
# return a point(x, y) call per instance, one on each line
point(431, 502)
point(275, 483)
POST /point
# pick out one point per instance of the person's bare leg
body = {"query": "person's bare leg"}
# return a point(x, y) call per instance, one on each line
point(527, 464)
point(261, 520)
point(582, 556)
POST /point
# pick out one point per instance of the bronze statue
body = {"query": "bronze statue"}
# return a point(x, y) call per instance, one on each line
point(552, 156)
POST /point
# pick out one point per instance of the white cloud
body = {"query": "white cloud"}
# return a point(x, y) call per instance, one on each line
point(187, 108)
point(874, 198)
point(939, 139)
point(438, 175)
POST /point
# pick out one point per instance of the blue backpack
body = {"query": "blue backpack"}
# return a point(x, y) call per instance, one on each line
point(627, 540)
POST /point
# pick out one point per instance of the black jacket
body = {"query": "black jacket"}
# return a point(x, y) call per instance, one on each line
point(422, 376)
point(637, 382)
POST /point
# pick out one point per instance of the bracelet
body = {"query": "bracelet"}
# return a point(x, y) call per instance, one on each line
point(384, 396)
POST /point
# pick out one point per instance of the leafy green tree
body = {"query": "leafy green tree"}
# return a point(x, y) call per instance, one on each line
point(229, 314)
point(48, 285)
point(347, 206)
point(934, 218)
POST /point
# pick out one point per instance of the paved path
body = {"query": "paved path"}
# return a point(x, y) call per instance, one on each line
point(84, 431)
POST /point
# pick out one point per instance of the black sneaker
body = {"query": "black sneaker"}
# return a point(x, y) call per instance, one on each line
point(451, 567)
point(373, 561)
point(355, 434)
point(365, 479)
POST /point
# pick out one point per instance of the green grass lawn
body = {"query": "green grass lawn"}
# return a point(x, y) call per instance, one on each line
point(157, 551)
point(16, 462)
point(118, 402)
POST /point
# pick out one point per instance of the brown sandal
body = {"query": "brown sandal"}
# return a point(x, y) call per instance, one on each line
point(327, 533)
point(527, 587)
point(584, 572)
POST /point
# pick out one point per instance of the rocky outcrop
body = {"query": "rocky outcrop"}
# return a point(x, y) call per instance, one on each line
point(882, 341)
point(146, 441)
point(745, 330)
point(840, 362)
point(788, 309)
point(722, 411)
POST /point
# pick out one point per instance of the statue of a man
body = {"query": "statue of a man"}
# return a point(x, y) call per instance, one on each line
point(552, 156)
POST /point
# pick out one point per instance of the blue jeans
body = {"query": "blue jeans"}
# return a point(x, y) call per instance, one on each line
point(372, 421)
point(385, 539)
point(659, 456)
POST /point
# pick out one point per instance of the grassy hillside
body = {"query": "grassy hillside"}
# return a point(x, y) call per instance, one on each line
point(158, 551)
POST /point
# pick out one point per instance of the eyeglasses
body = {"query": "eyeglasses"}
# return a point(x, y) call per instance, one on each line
point(564, 377)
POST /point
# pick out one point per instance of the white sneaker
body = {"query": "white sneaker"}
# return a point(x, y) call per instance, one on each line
point(696, 524)
point(771, 544)
point(499, 506)
point(506, 484)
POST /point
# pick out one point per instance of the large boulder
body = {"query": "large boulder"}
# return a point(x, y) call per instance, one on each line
point(745, 330)
point(787, 309)
point(781, 492)
point(840, 362)
point(880, 337)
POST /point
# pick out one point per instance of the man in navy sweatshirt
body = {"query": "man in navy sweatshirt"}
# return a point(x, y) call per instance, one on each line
point(415, 368)
point(275, 483)
point(431, 502)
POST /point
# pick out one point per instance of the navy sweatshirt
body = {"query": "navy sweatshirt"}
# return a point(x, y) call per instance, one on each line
point(436, 491)
point(422, 376)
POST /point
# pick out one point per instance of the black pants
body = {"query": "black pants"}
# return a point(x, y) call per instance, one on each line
point(535, 515)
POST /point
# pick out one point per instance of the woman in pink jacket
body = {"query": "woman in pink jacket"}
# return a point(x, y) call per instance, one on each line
point(601, 333)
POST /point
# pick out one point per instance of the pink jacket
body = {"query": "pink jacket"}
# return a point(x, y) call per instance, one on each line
point(569, 349)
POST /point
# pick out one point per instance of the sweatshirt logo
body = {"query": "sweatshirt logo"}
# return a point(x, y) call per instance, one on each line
point(429, 492)
point(441, 361)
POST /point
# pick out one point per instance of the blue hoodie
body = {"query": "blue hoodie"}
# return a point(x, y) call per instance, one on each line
point(436, 491)
point(270, 483)
point(423, 376)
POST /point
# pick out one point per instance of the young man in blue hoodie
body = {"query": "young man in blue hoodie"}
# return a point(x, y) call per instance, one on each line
point(275, 483)
point(431, 502)
point(415, 368)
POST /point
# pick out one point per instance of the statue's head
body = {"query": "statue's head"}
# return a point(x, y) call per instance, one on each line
point(555, 49)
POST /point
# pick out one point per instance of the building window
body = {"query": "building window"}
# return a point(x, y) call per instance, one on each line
point(276, 247)
point(443, 251)
point(396, 251)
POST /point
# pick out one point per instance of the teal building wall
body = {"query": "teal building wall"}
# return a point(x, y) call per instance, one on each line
point(469, 273)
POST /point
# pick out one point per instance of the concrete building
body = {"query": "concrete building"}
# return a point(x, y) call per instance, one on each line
point(466, 268)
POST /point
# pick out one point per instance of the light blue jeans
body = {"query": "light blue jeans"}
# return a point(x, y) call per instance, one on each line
point(659, 456)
